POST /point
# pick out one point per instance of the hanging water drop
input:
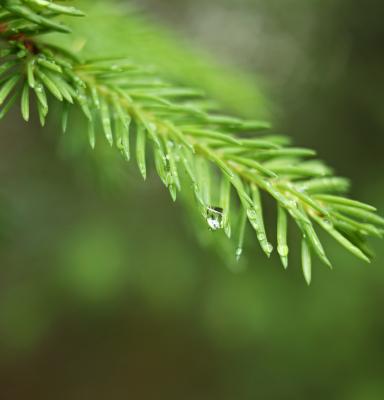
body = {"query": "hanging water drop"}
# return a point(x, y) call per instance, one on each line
point(238, 253)
point(215, 218)
point(283, 250)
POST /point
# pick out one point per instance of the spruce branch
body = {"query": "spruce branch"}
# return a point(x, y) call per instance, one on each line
point(227, 160)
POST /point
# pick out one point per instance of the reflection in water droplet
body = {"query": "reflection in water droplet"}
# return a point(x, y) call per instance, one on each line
point(215, 218)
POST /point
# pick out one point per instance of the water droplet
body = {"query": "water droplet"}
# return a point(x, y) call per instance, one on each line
point(116, 68)
point(173, 191)
point(215, 218)
point(152, 127)
point(238, 253)
point(269, 247)
point(81, 98)
point(119, 144)
point(252, 213)
point(261, 237)
point(328, 223)
point(283, 250)
point(168, 179)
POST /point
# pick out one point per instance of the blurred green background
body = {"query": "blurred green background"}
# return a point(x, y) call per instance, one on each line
point(105, 290)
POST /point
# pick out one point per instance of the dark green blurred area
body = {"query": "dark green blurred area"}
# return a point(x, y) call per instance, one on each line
point(105, 291)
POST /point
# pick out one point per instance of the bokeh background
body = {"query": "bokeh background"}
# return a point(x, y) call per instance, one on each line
point(106, 292)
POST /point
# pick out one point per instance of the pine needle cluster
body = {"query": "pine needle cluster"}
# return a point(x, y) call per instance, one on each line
point(228, 161)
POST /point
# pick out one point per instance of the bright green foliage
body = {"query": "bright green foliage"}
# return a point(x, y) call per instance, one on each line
point(228, 161)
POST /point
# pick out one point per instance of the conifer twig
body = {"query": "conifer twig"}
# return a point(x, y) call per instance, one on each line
point(119, 98)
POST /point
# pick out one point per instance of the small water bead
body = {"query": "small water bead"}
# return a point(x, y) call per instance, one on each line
point(116, 68)
point(81, 97)
point(168, 179)
point(127, 121)
point(120, 144)
point(252, 214)
point(215, 218)
point(261, 237)
point(238, 253)
point(283, 250)
point(79, 82)
point(266, 246)
point(328, 223)
point(96, 101)
point(173, 191)
point(72, 10)
point(152, 127)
